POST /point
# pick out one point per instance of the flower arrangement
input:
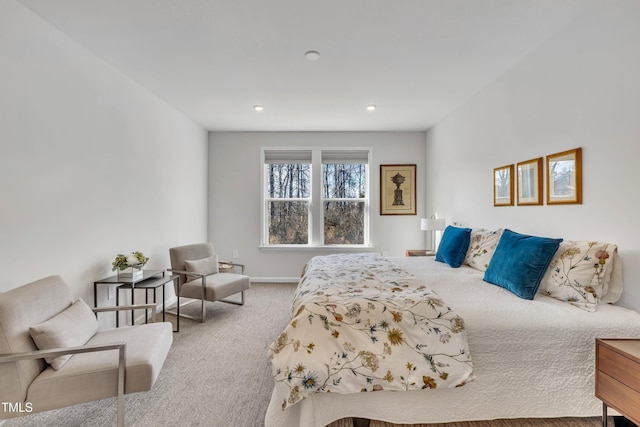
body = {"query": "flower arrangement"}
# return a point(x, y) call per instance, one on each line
point(133, 260)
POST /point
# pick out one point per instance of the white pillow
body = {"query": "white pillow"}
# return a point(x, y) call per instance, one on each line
point(482, 245)
point(72, 327)
point(203, 266)
point(579, 273)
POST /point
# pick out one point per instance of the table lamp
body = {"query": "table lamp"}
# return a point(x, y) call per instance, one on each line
point(433, 224)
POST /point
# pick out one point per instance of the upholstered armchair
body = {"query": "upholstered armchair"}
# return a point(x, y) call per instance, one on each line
point(200, 278)
point(53, 355)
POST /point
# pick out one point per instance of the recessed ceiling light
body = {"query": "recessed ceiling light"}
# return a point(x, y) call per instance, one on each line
point(371, 107)
point(312, 55)
point(258, 107)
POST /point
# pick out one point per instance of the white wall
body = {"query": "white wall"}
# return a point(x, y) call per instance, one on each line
point(91, 163)
point(234, 195)
point(580, 89)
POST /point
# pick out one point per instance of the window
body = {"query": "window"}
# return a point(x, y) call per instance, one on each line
point(315, 197)
point(344, 191)
point(288, 197)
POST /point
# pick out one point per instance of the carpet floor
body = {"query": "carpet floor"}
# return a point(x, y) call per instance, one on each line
point(217, 375)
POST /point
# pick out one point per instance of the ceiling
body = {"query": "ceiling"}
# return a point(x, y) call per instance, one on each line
point(213, 60)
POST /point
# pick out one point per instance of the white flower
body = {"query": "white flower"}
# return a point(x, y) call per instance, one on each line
point(133, 260)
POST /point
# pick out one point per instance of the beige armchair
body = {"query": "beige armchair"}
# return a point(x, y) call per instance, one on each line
point(200, 278)
point(52, 354)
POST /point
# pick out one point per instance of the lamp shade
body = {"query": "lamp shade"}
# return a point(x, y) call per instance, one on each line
point(433, 224)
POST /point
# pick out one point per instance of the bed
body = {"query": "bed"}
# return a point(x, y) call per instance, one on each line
point(530, 358)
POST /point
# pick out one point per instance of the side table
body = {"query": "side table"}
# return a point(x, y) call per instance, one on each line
point(151, 279)
point(618, 377)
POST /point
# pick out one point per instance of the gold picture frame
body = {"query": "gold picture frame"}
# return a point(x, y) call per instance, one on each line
point(530, 182)
point(564, 177)
point(397, 189)
point(503, 186)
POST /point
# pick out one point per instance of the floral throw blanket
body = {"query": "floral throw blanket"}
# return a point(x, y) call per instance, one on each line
point(359, 323)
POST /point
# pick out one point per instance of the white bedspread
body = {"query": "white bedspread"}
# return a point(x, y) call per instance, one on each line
point(360, 324)
point(531, 359)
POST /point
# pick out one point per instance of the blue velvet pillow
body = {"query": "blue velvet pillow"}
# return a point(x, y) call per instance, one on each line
point(520, 261)
point(453, 246)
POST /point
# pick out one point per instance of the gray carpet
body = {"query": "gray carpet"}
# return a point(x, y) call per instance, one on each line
point(217, 375)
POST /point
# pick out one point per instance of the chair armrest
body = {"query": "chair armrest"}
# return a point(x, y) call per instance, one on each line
point(55, 352)
point(190, 273)
point(202, 277)
point(173, 270)
point(146, 307)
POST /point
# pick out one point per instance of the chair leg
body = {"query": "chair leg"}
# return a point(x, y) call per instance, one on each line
point(235, 302)
point(187, 316)
point(203, 308)
point(121, 379)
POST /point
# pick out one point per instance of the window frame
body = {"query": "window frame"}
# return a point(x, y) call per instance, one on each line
point(316, 200)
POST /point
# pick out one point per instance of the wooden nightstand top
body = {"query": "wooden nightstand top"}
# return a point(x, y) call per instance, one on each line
point(419, 252)
point(630, 347)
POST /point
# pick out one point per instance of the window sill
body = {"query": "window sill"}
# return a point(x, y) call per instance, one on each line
point(333, 248)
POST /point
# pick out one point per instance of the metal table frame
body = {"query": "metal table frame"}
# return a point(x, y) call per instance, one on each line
point(151, 279)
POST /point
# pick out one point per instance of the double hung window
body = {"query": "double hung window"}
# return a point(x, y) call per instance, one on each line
point(287, 204)
point(315, 197)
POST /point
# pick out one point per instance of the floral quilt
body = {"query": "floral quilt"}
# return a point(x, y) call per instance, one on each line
point(358, 323)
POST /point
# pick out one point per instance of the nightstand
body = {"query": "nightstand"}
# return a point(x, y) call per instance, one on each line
point(618, 377)
point(419, 252)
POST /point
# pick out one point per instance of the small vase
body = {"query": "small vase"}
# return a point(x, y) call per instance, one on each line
point(131, 273)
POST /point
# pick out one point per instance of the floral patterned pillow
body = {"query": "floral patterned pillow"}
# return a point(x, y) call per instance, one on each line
point(579, 273)
point(482, 245)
